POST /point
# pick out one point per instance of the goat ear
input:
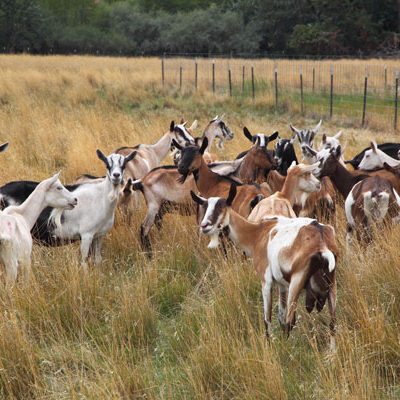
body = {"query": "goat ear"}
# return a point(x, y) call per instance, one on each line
point(203, 145)
point(293, 164)
point(3, 146)
point(248, 134)
point(172, 126)
point(176, 144)
point(324, 138)
point(232, 194)
point(130, 157)
point(316, 129)
point(194, 125)
point(337, 136)
point(293, 139)
point(197, 199)
point(295, 130)
point(310, 150)
point(337, 152)
point(389, 168)
point(273, 136)
point(102, 157)
point(373, 146)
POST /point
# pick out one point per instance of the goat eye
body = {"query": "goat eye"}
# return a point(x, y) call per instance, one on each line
point(59, 188)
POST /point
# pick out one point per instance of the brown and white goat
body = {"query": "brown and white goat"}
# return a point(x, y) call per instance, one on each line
point(370, 202)
point(295, 253)
point(299, 184)
point(217, 128)
point(163, 192)
point(211, 184)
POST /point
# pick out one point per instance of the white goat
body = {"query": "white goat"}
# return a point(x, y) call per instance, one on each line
point(374, 159)
point(16, 223)
point(93, 218)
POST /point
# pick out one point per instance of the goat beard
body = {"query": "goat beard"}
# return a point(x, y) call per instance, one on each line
point(114, 194)
point(182, 179)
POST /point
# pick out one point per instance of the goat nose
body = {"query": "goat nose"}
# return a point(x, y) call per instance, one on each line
point(75, 200)
point(116, 174)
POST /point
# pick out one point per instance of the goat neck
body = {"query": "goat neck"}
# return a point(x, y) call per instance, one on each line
point(162, 147)
point(344, 180)
point(246, 234)
point(205, 178)
point(31, 208)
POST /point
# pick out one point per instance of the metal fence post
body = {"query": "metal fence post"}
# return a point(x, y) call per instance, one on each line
point(313, 78)
point(396, 99)
point(276, 88)
point(162, 71)
point(243, 73)
point(331, 97)
point(195, 73)
point(385, 76)
point(180, 75)
point(213, 75)
point(365, 97)
point(252, 80)
point(301, 91)
point(230, 80)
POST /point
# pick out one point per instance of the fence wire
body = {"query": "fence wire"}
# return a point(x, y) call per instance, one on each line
point(307, 86)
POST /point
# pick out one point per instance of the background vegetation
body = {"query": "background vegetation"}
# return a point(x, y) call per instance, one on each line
point(238, 27)
point(188, 324)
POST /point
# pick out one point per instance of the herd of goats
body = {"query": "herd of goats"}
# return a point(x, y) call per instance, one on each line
point(265, 201)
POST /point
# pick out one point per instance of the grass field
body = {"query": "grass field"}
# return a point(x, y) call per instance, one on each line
point(189, 323)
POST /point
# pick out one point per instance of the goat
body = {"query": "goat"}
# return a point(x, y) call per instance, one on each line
point(217, 129)
point(162, 192)
point(369, 202)
point(261, 137)
point(374, 158)
point(285, 154)
point(306, 136)
point(295, 253)
point(16, 222)
point(343, 179)
point(391, 149)
point(89, 221)
point(298, 185)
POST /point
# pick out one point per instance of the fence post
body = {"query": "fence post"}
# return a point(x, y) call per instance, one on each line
point(252, 80)
point(180, 75)
point(331, 97)
point(230, 80)
point(365, 97)
point(313, 78)
point(213, 75)
point(301, 91)
point(243, 72)
point(385, 76)
point(276, 88)
point(195, 72)
point(396, 100)
point(162, 71)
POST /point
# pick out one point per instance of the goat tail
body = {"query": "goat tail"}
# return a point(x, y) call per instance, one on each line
point(330, 258)
point(137, 185)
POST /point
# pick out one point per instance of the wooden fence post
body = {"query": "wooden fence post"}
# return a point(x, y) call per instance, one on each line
point(213, 75)
point(385, 76)
point(396, 99)
point(301, 91)
point(252, 80)
point(195, 73)
point(331, 97)
point(365, 97)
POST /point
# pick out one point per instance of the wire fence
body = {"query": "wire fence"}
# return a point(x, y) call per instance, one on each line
point(364, 92)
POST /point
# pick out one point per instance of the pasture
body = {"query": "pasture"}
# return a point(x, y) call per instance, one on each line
point(187, 324)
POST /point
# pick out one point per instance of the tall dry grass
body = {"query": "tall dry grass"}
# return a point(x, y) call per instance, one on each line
point(187, 324)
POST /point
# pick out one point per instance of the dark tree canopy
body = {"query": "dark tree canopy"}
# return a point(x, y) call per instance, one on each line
point(242, 27)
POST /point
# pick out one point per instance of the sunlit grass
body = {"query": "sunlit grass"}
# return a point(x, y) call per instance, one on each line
point(189, 323)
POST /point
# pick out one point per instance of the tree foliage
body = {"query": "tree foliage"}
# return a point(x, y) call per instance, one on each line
point(148, 27)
